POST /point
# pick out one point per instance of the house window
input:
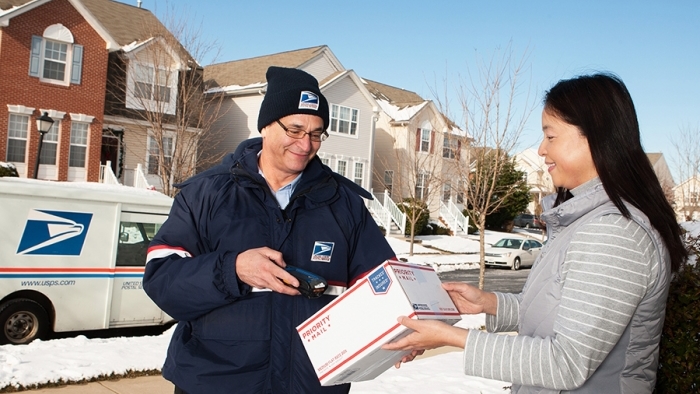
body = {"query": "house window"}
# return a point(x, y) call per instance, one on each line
point(421, 186)
point(151, 83)
point(325, 161)
point(54, 57)
point(388, 180)
point(450, 147)
point(424, 140)
point(154, 154)
point(49, 147)
point(17, 138)
point(78, 144)
point(343, 120)
point(446, 191)
point(359, 172)
point(342, 166)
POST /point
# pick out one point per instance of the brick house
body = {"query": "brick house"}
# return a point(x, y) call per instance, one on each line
point(51, 60)
point(91, 66)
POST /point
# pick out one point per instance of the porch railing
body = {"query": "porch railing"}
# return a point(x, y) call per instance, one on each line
point(140, 181)
point(452, 215)
point(107, 175)
point(397, 216)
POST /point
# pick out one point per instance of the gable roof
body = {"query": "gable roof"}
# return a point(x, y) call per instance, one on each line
point(401, 104)
point(119, 24)
point(398, 97)
point(125, 23)
point(653, 157)
point(252, 71)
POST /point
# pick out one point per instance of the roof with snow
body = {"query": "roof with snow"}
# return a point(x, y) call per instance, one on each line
point(247, 73)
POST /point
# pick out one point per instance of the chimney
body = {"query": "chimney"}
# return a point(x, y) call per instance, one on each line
point(138, 3)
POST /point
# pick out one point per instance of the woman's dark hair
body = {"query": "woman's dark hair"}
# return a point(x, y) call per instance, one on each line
point(601, 107)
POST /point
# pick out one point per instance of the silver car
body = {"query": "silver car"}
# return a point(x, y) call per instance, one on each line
point(513, 253)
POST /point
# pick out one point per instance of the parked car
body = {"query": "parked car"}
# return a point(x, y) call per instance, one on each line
point(513, 252)
point(528, 221)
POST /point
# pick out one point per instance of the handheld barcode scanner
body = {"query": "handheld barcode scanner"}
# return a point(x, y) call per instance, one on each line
point(310, 284)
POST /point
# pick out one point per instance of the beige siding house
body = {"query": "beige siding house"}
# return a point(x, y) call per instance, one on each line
point(540, 181)
point(347, 151)
point(416, 151)
point(538, 178)
point(687, 199)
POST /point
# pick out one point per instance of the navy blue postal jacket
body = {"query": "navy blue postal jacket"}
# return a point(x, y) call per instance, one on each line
point(230, 339)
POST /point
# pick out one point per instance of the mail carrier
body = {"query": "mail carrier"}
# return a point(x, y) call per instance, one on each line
point(72, 257)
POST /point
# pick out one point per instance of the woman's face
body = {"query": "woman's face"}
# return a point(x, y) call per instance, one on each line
point(566, 153)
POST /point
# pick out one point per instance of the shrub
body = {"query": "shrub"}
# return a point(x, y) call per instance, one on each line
point(8, 169)
point(433, 228)
point(422, 211)
point(679, 352)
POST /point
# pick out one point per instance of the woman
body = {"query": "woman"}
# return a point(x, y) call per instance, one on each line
point(590, 315)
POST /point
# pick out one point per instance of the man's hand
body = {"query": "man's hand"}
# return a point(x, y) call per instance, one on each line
point(470, 300)
point(263, 268)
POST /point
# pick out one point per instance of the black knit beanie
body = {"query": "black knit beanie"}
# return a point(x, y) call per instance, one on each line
point(291, 91)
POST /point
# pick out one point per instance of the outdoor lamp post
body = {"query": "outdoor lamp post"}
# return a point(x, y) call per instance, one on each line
point(43, 124)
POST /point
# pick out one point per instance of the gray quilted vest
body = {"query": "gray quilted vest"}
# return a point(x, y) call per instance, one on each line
point(631, 366)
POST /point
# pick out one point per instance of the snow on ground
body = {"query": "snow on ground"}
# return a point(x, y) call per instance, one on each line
point(438, 371)
point(76, 359)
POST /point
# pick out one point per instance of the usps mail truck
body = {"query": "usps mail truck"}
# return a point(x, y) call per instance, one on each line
point(72, 257)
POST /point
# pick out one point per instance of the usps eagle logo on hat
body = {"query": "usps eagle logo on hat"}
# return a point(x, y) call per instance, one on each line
point(308, 100)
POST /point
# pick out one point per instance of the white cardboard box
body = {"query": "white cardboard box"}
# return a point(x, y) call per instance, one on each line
point(344, 339)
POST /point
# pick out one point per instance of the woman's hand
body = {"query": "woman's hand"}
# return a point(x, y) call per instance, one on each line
point(470, 300)
point(427, 334)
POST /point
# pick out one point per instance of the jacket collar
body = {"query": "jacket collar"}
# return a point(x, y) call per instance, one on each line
point(587, 197)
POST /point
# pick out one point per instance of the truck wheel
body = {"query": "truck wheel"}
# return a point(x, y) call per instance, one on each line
point(22, 321)
point(516, 264)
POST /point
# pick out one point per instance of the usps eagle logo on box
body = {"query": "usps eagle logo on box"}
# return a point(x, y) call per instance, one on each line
point(322, 251)
point(308, 100)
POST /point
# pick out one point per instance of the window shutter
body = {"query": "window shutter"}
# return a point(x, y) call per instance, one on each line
point(459, 149)
point(432, 140)
point(76, 68)
point(35, 56)
point(418, 139)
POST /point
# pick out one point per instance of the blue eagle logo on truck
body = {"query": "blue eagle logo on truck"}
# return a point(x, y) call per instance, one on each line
point(54, 233)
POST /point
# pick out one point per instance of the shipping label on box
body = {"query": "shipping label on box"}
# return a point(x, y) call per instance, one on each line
point(344, 339)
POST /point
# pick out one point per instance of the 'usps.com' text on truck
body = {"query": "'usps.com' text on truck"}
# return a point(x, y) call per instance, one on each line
point(72, 257)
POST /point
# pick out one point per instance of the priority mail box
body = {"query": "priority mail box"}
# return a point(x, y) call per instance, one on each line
point(344, 339)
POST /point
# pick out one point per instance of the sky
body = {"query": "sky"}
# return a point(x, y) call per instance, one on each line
point(80, 358)
point(430, 47)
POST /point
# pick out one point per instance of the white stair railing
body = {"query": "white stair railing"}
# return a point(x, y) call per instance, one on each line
point(396, 215)
point(381, 214)
point(452, 215)
point(107, 175)
point(140, 181)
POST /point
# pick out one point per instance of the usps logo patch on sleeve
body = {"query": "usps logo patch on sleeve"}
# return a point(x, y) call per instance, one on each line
point(322, 251)
point(308, 100)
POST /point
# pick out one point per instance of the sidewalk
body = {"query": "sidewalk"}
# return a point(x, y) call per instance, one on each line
point(140, 385)
point(151, 384)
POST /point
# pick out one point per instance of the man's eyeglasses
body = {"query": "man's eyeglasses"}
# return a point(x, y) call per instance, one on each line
point(315, 136)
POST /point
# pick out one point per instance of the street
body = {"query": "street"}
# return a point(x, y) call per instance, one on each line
point(495, 279)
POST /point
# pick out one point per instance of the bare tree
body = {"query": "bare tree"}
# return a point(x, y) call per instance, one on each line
point(495, 116)
point(687, 166)
point(159, 84)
